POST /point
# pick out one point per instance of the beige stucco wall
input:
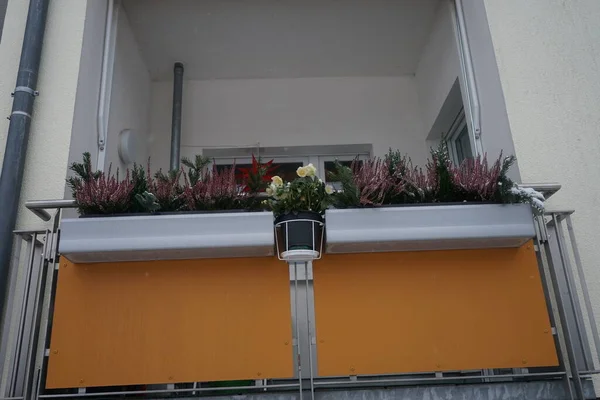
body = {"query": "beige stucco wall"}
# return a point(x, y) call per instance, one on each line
point(50, 136)
point(548, 55)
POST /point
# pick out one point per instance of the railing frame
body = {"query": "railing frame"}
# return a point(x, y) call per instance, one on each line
point(28, 361)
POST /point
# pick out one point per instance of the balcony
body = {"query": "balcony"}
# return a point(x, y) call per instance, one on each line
point(472, 322)
point(461, 302)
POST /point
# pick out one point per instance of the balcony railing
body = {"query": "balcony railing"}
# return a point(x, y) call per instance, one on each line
point(26, 344)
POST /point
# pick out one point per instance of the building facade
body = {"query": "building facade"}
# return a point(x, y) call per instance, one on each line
point(314, 82)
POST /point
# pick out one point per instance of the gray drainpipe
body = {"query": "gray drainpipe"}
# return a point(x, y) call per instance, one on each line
point(18, 134)
point(176, 119)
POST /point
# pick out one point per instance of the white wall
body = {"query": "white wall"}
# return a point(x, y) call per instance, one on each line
point(495, 129)
point(438, 69)
point(548, 56)
point(84, 133)
point(303, 111)
point(130, 96)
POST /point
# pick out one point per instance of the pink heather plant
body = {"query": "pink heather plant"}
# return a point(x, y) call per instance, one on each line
point(166, 188)
point(475, 179)
point(372, 180)
point(104, 194)
point(217, 191)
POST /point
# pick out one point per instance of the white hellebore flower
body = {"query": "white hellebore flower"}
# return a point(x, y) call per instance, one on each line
point(277, 181)
point(328, 189)
point(269, 191)
point(301, 172)
point(311, 170)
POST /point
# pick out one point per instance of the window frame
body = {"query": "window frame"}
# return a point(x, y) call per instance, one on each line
point(454, 132)
point(323, 154)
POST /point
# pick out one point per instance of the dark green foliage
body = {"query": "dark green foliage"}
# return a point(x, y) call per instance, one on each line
point(83, 172)
point(140, 185)
point(445, 190)
point(167, 189)
point(349, 195)
point(195, 168)
point(147, 202)
point(505, 184)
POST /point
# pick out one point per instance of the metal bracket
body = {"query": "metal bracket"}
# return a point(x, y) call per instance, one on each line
point(25, 89)
point(19, 113)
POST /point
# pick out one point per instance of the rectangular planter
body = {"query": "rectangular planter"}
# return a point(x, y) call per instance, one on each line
point(166, 237)
point(436, 227)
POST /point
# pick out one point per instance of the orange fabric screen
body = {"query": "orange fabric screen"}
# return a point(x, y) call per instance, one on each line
point(171, 321)
point(431, 311)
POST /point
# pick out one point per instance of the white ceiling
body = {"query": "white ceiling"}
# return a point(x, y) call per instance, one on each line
point(225, 39)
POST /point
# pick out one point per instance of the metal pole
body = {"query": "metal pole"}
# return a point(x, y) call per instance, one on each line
point(36, 318)
point(582, 282)
point(17, 367)
point(562, 313)
point(542, 254)
point(310, 336)
point(176, 119)
point(573, 296)
point(297, 321)
point(13, 164)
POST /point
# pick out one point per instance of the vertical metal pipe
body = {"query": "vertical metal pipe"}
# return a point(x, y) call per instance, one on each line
point(13, 164)
point(176, 119)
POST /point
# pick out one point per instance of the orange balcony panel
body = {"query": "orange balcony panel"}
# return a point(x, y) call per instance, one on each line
point(171, 321)
point(406, 312)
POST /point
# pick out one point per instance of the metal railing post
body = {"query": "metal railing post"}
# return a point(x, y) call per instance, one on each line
point(565, 327)
point(573, 295)
point(541, 240)
point(582, 282)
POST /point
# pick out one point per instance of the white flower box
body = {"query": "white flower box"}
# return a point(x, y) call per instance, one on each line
point(428, 227)
point(165, 237)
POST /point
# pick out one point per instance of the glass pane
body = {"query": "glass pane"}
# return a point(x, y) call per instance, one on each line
point(463, 145)
point(287, 171)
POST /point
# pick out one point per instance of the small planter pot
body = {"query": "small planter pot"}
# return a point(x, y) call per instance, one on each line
point(299, 236)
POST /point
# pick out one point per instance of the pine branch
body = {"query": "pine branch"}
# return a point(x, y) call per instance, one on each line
point(348, 196)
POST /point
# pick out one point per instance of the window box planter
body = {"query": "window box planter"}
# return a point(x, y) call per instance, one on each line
point(428, 227)
point(167, 236)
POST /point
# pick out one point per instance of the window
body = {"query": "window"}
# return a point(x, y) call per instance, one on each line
point(322, 157)
point(327, 165)
point(286, 169)
point(459, 141)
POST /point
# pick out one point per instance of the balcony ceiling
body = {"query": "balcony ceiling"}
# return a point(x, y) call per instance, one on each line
point(228, 39)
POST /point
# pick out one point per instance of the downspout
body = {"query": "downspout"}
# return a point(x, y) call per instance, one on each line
point(13, 164)
point(176, 118)
point(466, 61)
point(108, 57)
